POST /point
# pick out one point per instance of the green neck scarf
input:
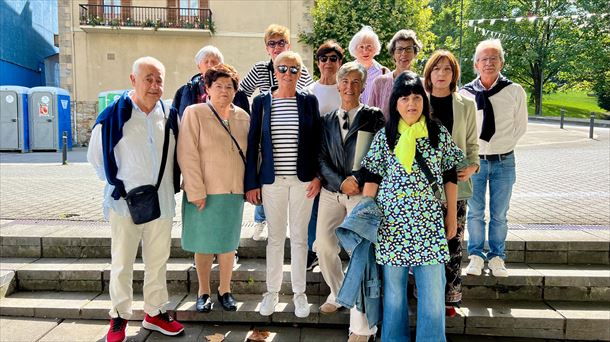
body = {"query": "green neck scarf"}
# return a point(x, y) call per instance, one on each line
point(405, 147)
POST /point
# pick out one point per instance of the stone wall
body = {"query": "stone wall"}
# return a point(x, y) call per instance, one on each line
point(85, 113)
point(64, 13)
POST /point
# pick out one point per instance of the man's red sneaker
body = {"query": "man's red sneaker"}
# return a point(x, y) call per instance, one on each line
point(116, 332)
point(163, 323)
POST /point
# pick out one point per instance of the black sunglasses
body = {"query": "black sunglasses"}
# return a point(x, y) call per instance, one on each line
point(273, 43)
point(325, 59)
point(345, 121)
point(284, 68)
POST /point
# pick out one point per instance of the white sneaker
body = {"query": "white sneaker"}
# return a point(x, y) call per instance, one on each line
point(259, 232)
point(475, 267)
point(270, 300)
point(301, 306)
point(496, 265)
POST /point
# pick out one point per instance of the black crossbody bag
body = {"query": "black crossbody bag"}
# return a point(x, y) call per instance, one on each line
point(241, 153)
point(436, 189)
point(143, 201)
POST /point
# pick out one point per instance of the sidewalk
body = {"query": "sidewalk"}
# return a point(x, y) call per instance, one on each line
point(563, 178)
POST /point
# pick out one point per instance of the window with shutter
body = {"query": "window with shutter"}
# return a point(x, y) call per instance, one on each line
point(112, 9)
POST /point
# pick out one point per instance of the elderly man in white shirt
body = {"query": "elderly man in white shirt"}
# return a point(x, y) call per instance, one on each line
point(501, 122)
point(126, 150)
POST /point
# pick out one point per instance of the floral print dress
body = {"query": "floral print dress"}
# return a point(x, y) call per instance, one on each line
point(412, 232)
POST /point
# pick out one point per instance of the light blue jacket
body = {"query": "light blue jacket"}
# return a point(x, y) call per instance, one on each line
point(362, 284)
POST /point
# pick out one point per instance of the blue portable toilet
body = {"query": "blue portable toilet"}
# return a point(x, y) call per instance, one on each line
point(14, 124)
point(49, 118)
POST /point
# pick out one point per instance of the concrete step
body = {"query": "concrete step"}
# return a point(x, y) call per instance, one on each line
point(549, 320)
point(525, 282)
point(71, 239)
point(60, 330)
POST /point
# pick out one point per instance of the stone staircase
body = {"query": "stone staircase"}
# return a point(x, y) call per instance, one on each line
point(559, 284)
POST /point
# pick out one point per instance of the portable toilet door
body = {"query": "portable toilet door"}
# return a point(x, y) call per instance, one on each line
point(14, 132)
point(101, 101)
point(112, 96)
point(49, 118)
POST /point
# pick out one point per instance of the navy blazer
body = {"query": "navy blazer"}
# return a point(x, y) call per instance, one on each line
point(308, 145)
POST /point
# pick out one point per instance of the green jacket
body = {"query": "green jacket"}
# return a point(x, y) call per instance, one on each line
point(464, 133)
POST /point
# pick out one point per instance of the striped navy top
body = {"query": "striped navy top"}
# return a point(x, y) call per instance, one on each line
point(285, 135)
point(261, 76)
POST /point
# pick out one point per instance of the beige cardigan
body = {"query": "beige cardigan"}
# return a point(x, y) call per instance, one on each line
point(208, 158)
point(464, 133)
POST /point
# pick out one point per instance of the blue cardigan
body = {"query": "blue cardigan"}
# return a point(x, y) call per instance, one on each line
point(112, 119)
point(308, 145)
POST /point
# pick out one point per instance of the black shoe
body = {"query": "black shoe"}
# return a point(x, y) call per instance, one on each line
point(227, 301)
point(204, 303)
point(312, 260)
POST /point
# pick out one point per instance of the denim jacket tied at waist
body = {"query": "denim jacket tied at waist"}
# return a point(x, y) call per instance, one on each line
point(362, 285)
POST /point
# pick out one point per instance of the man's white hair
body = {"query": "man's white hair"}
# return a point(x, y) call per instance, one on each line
point(208, 50)
point(495, 44)
point(149, 61)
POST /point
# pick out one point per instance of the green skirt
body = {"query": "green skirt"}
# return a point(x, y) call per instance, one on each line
point(216, 228)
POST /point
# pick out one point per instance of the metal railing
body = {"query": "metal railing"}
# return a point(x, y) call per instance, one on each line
point(139, 16)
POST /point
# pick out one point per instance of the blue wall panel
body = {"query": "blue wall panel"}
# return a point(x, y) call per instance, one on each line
point(26, 37)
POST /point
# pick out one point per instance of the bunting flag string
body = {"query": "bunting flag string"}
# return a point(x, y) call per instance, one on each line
point(531, 19)
point(500, 35)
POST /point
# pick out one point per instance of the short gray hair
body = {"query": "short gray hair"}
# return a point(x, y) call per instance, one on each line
point(207, 51)
point(349, 67)
point(290, 55)
point(404, 35)
point(495, 44)
point(365, 32)
point(135, 68)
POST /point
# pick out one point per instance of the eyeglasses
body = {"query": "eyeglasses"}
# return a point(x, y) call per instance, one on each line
point(324, 59)
point(366, 47)
point(273, 43)
point(284, 68)
point(492, 59)
point(406, 49)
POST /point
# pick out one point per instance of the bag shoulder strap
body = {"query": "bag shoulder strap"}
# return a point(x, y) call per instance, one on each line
point(165, 148)
point(241, 153)
point(427, 172)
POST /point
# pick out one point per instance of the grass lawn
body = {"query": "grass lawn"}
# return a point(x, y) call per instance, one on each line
point(576, 104)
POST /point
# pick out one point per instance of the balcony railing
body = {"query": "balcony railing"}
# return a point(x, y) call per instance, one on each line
point(139, 16)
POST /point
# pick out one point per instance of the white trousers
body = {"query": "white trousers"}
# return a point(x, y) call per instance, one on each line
point(126, 236)
point(333, 209)
point(285, 201)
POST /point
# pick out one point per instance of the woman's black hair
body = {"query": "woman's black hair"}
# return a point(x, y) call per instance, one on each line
point(408, 83)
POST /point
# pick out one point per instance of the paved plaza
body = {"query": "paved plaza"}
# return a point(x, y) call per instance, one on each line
point(563, 178)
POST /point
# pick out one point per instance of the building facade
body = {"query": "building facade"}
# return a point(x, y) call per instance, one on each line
point(28, 56)
point(99, 40)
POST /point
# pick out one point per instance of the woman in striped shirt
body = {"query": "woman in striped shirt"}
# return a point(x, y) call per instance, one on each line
point(285, 128)
point(262, 76)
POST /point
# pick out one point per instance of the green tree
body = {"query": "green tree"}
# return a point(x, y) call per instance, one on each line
point(571, 40)
point(341, 19)
point(602, 90)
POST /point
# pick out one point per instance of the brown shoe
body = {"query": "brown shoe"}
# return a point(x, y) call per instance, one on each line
point(328, 308)
point(358, 338)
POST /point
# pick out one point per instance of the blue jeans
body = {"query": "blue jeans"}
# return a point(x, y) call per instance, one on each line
point(430, 281)
point(259, 214)
point(311, 228)
point(500, 175)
